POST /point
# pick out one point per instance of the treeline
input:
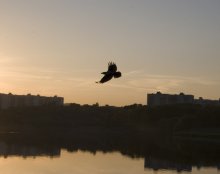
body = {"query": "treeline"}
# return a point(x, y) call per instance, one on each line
point(143, 119)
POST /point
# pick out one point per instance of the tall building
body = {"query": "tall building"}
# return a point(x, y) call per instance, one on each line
point(10, 100)
point(167, 99)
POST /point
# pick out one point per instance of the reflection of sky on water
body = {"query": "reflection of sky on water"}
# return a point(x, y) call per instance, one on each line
point(46, 156)
point(77, 162)
point(26, 159)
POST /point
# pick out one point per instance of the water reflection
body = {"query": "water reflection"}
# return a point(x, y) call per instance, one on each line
point(8, 150)
point(166, 164)
point(160, 164)
point(174, 155)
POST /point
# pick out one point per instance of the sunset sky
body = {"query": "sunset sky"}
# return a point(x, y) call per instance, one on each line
point(60, 47)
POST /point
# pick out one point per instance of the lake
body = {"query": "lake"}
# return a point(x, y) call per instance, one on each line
point(84, 162)
point(110, 152)
point(91, 139)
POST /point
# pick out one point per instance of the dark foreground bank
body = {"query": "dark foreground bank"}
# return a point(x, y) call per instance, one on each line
point(188, 121)
point(182, 134)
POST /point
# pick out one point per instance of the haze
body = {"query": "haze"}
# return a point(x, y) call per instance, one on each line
point(60, 47)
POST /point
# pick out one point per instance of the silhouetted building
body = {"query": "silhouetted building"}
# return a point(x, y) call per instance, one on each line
point(158, 99)
point(167, 99)
point(10, 100)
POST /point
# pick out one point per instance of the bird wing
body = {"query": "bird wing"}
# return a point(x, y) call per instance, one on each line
point(112, 67)
point(106, 78)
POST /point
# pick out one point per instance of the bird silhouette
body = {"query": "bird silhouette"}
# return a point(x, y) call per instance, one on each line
point(112, 72)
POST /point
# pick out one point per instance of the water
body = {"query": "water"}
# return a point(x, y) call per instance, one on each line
point(102, 154)
point(84, 162)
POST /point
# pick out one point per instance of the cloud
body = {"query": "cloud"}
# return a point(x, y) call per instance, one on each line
point(140, 80)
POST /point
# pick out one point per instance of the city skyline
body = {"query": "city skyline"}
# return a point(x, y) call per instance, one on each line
point(61, 47)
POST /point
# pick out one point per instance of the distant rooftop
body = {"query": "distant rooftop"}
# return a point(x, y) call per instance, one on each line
point(158, 98)
point(10, 100)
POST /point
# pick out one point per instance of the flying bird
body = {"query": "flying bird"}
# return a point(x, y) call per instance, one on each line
point(112, 72)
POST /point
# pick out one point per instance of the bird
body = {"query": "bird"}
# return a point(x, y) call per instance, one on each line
point(112, 72)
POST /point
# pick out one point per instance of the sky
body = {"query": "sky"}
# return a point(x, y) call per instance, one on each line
point(60, 47)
